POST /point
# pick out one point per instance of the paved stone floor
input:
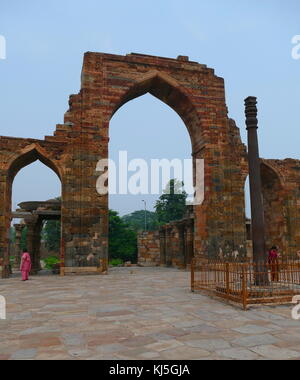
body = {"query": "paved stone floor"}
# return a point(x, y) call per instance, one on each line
point(137, 313)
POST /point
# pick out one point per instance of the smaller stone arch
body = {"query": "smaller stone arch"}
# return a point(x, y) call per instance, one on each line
point(274, 206)
point(273, 168)
point(17, 161)
point(274, 201)
point(27, 156)
point(21, 159)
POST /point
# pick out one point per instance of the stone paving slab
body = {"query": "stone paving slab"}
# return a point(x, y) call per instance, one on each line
point(141, 313)
point(276, 353)
point(238, 354)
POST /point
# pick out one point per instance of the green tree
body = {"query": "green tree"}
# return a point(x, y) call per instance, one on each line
point(171, 205)
point(136, 220)
point(51, 234)
point(122, 239)
point(24, 238)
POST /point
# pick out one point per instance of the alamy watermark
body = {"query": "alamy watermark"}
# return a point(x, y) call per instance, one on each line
point(296, 309)
point(137, 177)
point(2, 47)
point(296, 48)
point(2, 308)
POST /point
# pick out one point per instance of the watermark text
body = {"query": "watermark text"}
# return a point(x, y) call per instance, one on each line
point(2, 308)
point(2, 47)
point(296, 309)
point(139, 177)
point(296, 48)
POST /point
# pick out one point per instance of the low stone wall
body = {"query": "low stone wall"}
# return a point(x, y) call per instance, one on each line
point(149, 248)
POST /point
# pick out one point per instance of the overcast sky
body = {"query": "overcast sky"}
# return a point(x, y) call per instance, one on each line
point(246, 42)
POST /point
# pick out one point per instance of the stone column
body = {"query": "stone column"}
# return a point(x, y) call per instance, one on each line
point(185, 245)
point(168, 246)
point(162, 237)
point(189, 242)
point(18, 228)
point(257, 207)
point(34, 227)
point(4, 221)
point(181, 245)
point(176, 256)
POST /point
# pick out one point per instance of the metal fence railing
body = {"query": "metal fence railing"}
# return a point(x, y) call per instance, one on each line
point(247, 283)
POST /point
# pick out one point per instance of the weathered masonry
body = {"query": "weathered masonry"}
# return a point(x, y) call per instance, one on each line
point(172, 245)
point(198, 96)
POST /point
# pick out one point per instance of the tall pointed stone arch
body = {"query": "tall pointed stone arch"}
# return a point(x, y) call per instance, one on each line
point(198, 96)
point(166, 89)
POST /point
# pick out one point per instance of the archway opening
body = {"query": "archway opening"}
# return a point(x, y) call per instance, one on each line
point(273, 207)
point(273, 203)
point(34, 199)
point(143, 129)
point(166, 89)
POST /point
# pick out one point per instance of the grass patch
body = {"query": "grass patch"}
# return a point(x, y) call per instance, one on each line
point(116, 262)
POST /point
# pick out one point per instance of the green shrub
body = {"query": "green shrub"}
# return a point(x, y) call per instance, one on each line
point(116, 262)
point(50, 261)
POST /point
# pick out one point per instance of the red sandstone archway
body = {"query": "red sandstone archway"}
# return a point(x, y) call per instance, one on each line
point(274, 206)
point(26, 157)
point(165, 88)
point(197, 95)
point(274, 209)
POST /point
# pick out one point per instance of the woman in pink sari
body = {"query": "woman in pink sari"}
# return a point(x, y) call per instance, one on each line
point(25, 265)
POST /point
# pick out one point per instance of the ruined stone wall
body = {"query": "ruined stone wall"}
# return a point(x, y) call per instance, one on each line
point(73, 155)
point(172, 245)
point(198, 96)
point(107, 82)
point(281, 193)
point(148, 248)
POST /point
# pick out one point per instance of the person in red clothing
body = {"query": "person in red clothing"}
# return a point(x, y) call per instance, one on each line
point(274, 263)
point(25, 265)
